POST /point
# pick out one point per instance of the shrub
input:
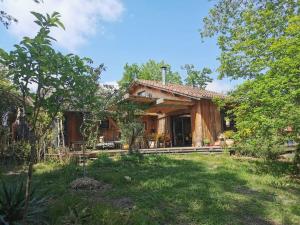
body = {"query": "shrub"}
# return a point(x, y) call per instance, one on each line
point(18, 152)
point(77, 216)
point(12, 204)
point(259, 147)
point(229, 134)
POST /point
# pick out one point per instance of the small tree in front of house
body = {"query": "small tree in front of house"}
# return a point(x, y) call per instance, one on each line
point(59, 79)
point(128, 115)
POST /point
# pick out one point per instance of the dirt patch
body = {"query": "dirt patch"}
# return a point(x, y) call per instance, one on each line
point(253, 220)
point(86, 183)
point(257, 194)
point(245, 190)
point(124, 203)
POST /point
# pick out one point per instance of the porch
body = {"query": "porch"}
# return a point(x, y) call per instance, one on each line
point(91, 154)
point(179, 123)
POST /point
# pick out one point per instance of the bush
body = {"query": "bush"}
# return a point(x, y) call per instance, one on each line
point(18, 152)
point(229, 134)
point(260, 147)
point(77, 216)
point(12, 204)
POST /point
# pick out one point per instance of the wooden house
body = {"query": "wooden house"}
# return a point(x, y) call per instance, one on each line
point(182, 115)
point(185, 114)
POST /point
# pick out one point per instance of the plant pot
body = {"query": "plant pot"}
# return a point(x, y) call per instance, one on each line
point(229, 142)
point(151, 144)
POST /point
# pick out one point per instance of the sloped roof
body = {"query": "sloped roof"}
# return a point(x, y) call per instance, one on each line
point(188, 91)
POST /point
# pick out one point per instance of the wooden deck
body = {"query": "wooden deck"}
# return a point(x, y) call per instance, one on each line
point(205, 150)
point(174, 150)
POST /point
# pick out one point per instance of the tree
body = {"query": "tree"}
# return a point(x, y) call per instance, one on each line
point(7, 19)
point(151, 70)
point(197, 78)
point(61, 80)
point(246, 29)
point(259, 41)
point(130, 123)
point(10, 100)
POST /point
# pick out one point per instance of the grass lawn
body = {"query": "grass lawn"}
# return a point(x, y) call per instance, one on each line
point(174, 189)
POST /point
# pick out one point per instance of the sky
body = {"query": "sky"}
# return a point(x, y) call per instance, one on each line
point(116, 32)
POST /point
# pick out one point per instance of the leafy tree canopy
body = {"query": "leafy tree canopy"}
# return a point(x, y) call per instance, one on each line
point(60, 80)
point(7, 19)
point(246, 30)
point(197, 78)
point(151, 70)
point(260, 41)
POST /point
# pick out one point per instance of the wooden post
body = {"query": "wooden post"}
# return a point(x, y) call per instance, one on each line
point(161, 126)
point(196, 120)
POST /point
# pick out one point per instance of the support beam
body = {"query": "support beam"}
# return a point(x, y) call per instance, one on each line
point(161, 124)
point(196, 120)
point(170, 102)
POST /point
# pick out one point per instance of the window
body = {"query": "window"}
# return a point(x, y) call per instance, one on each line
point(144, 94)
point(104, 124)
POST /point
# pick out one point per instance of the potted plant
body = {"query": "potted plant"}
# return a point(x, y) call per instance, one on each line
point(206, 142)
point(151, 140)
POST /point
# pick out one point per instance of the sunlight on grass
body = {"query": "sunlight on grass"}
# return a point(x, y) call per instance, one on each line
point(176, 189)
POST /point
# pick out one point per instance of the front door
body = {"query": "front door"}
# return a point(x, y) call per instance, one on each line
point(181, 128)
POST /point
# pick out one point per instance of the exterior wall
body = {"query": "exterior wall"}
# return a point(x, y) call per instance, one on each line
point(197, 127)
point(73, 121)
point(206, 122)
point(112, 133)
point(211, 120)
point(150, 123)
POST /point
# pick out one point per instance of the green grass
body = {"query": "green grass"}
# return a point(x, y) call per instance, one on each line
point(176, 189)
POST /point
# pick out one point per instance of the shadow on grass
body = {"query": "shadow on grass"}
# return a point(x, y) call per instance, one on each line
point(274, 168)
point(164, 190)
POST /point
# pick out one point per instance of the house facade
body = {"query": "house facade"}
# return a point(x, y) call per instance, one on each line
point(178, 115)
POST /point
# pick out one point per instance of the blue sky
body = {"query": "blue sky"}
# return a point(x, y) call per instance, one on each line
point(126, 31)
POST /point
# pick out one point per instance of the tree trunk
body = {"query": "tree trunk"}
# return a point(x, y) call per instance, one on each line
point(131, 142)
point(29, 174)
point(297, 160)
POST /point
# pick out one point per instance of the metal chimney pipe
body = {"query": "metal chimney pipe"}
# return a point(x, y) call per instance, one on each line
point(163, 74)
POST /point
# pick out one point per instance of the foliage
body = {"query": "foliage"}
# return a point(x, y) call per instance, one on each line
point(259, 41)
point(129, 121)
point(12, 204)
point(260, 147)
point(61, 80)
point(197, 78)
point(103, 159)
point(7, 19)
point(98, 109)
point(206, 141)
point(151, 70)
point(229, 134)
point(10, 101)
point(173, 189)
point(17, 152)
point(246, 30)
point(77, 216)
